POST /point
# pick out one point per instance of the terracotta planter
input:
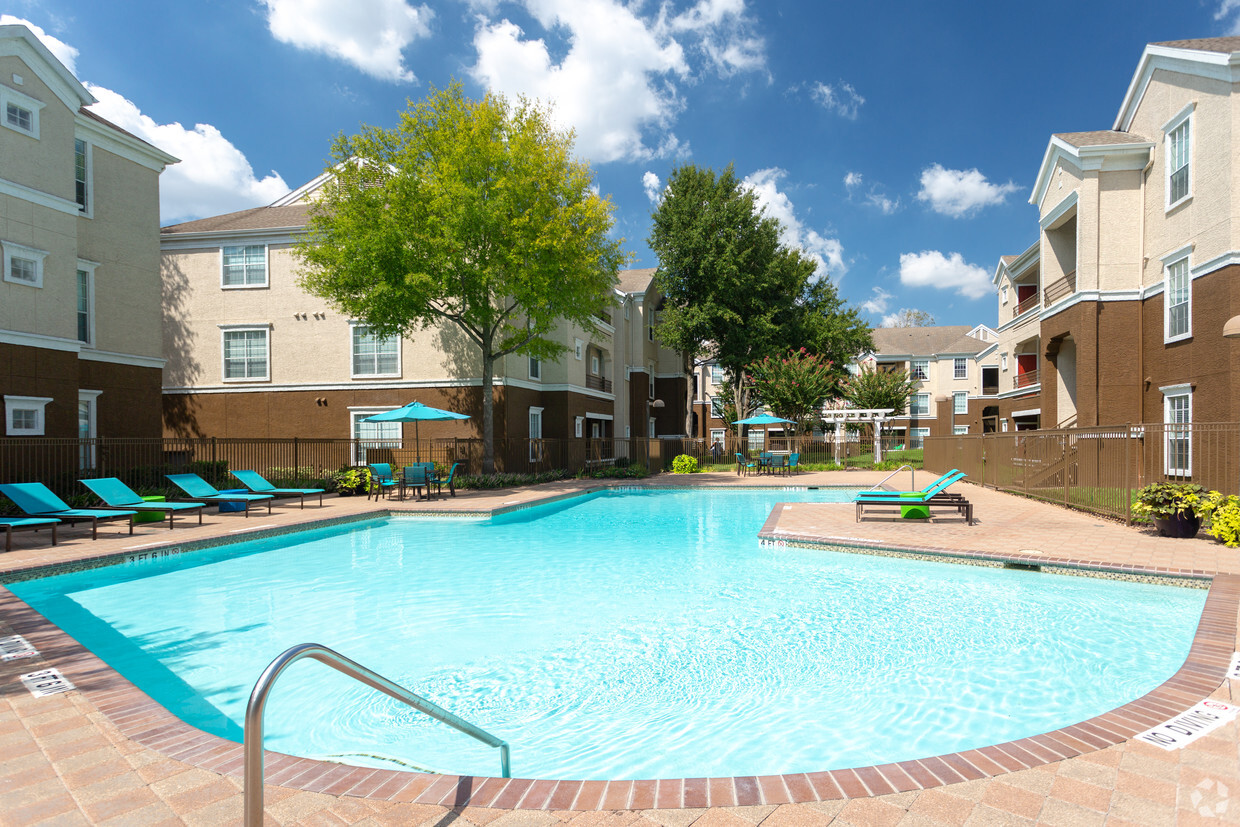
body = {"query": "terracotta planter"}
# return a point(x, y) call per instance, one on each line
point(1182, 526)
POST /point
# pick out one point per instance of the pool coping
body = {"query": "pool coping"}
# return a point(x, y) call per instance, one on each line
point(145, 722)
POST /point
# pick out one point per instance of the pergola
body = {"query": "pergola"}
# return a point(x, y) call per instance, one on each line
point(842, 416)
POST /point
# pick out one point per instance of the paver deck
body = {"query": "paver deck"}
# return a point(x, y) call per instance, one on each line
point(106, 754)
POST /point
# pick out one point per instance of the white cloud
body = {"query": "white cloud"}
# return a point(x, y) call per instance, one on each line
point(878, 302)
point(370, 34)
point(875, 198)
point(653, 187)
point(842, 99)
point(930, 268)
point(213, 177)
point(827, 252)
point(851, 181)
point(62, 51)
point(960, 193)
point(1226, 8)
point(618, 83)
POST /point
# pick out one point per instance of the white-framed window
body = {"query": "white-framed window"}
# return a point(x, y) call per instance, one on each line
point(579, 349)
point(960, 429)
point(536, 415)
point(81, 176)
point(1179, 160)
point(596, 365)
point(243, 265)
point(1177, 301)
point(917, 437)
point(960, 402)
point(920, 404)
point(20, 111)
point(1003, 425)
point(1003, 294)
point(246, 354)
point(368, 435)
point(374, 356)
point(716, 407)
point(535, 369)
point(650, 384)
point(86, 302)
point(716, 374)
point(920, 369)
point(23, 265)
point(24, 415)
point(717, 435)
point(1003, 361)
point(960, 368)
point(88, 428)
point(651, 427)
point(1178, 419)
point(579, 424)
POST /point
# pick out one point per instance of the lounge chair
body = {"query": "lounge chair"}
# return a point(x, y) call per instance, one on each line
point(937, 485)
point(439, 482)
point(382, 479)
point(11, 524)
point(37, 500)
point(255, 482)
point(932, 497)
point(116, 495)
point(199, 490)
point(417, 476)
point(744, 466)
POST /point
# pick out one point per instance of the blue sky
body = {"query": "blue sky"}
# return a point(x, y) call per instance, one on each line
point(897, 141)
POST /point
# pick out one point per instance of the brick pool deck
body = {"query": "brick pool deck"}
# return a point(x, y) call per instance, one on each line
point(106, 754)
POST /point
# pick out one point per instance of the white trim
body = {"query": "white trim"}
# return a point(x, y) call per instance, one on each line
point(230, 238)
point(608, 417)
point(311, 186)
point(1176, 390)
point(1188, 279)
point(353, 326)
point(956, 395)
point(1027, 412)
point(86, 452)
point(1185, 117)
point(956, 359)
point(579, 349)
point(1060, 210)
point(1215, 65)
point(1027, 390)
point(22, 101)
point(401, 384)
point(132, 359)
point(89, 211)
point(266, 282)
point(18, 41)
point(1170, 392)
point(14, 250)
point(1177, 254)
point(374, 408)
point(34, 196)
point(16, 337)
point(579, 426)
point(122, 145)
point(240, 328)
point(26, 403)
point(88, 267)
point(1176, 119)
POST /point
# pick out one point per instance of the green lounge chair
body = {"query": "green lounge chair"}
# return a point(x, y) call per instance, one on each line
point(116, 495)
point(37, 500)
point(255, 482)
point(382, 479)
point(199, 490)
point(11, 524)
point(440, 482)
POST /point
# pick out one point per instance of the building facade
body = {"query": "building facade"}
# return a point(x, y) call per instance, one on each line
point(250, 354)
point(80, 350)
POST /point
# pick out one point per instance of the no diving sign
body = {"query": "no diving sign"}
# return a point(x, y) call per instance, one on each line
point(1183, 729)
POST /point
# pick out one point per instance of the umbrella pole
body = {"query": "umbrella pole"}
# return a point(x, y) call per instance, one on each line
point(417, 439)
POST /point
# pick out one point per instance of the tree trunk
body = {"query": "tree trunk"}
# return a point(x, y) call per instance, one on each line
point(689, 369)
point(488, 408)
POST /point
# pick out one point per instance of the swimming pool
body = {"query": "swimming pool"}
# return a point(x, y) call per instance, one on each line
point(623, 636)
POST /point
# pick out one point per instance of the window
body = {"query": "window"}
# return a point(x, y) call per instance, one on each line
point(961, 368)
point(716, 374)
point(21, 112)
point(594, 364)
point(19, 117)
point(578, 426)
point(535, 369)
point(920, 369)
point(650, 384)
point(960, 402)
point(535, 434)
point(81, 174)
point(716, 407)
point(245, 354)
point(374, 355)
point(1003, 294)
point(1178, 416)
point(917, 437)
point(920, 405)
point(244, 266)
point(368, 435)
point(716, 435)
point(960, 429)
point(579, 349)
point(1178, 158)
point(87, 418)
point(85, 303)
point(1003, 361)
point(23, 265)
point(23, 415)
point(1178, 293)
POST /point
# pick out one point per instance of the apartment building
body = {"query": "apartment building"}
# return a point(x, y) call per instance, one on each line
point(1116, 313)
point(80, 350)
point(250, 354)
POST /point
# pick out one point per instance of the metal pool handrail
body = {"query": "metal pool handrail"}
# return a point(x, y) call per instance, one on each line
point(911, 476)
point(253, 742)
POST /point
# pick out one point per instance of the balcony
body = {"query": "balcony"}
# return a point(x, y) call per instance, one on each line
point(603, 317)
point(598, 383)
point(1031, 303)
point(1063, 288)
point(1027, 379)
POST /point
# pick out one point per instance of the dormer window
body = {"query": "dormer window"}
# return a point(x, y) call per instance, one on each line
point(20, 111)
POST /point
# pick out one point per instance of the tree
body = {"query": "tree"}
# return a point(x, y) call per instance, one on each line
point(732, 291)
point(908, 317)
point(872, 388)
point(794, 386)
point(471, 213)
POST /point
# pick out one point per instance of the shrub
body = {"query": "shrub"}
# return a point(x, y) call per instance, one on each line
point(490, 481)
point(348, 481)
point(616, 472)
point(1224, 514)
point(684, 464)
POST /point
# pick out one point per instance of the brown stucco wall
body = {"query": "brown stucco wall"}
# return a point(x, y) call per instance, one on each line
point(670, 419)
point(130, 405)
point(32, 371)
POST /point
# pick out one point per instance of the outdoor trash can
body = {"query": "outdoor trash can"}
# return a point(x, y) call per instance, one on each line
point(237, 506)
point(150, 516)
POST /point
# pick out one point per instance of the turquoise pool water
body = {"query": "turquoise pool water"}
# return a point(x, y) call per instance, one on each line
point(628, 635)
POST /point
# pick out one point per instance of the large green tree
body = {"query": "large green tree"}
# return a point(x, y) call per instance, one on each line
point(873, 388)
point(469, 212)
point(732, 291)
point(794, 386)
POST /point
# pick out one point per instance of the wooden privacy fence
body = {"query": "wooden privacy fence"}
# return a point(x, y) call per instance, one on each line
point(1095, 469)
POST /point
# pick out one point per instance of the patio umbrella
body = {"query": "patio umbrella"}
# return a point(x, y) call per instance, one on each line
point(416, 412)
point(762, 419)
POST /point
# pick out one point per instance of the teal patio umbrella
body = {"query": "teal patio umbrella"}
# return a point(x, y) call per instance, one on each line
point(416, 412)
point(762, 419)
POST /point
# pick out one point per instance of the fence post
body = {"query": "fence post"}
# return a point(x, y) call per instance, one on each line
point(296, 459)
point(1127, 473)
point(213, 453)
point(1064, 465)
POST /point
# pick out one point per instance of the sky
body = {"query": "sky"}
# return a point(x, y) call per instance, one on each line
point(897, 142)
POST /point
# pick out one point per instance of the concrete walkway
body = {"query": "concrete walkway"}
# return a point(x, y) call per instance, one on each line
point(91, 756)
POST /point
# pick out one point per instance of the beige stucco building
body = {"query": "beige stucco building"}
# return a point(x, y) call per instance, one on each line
point(80, 350)
point(250, 354)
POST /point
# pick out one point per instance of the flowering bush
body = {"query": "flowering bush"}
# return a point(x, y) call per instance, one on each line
point(1164, 500)
point(684, 464)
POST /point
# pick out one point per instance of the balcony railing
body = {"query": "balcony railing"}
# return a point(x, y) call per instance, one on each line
point(1062, 288)
point(598, 383)
point(1027, 379)
point(989, 390)
point(603, 317)
point(1026, 305)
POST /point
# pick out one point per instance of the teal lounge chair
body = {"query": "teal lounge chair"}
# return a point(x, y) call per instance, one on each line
point(439, 482)
point(199, 490)
point(116, 495)
point(382, 479)
point(793, 462)
point(255, 482)
point(938, 485)
point(11, 524)
point(37, 500)
point(932, 497)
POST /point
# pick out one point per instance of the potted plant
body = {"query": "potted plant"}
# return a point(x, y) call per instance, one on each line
point(1175, 507)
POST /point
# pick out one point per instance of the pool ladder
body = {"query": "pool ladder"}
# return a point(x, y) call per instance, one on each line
point(911, 485)
point(253, 744)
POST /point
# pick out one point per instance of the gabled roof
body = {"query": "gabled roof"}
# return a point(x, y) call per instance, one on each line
point(16, 39)
point(1099, 137)
point(925, 341)
point(1225, 45)
point(1209, 57)
point(257, 218)
point(1090, 150)
point(635, 281)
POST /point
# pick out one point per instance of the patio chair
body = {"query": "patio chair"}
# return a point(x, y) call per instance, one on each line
point(256, 483)
point(419, 475)
point(11, 524)
point(199, 490)
point(37, 500)
point(439, 482)
point(793, 460)
point(116, 495)
point(744, 466)
point(381, 479)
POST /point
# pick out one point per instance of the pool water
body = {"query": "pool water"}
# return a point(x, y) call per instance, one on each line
point(623, 635)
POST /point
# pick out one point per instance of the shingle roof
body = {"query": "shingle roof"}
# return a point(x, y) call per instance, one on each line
point(258, 218)
point(1100, 137)
point(925, 341)
point(635, 281)
point(1008, 259)
point(1226, 45)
